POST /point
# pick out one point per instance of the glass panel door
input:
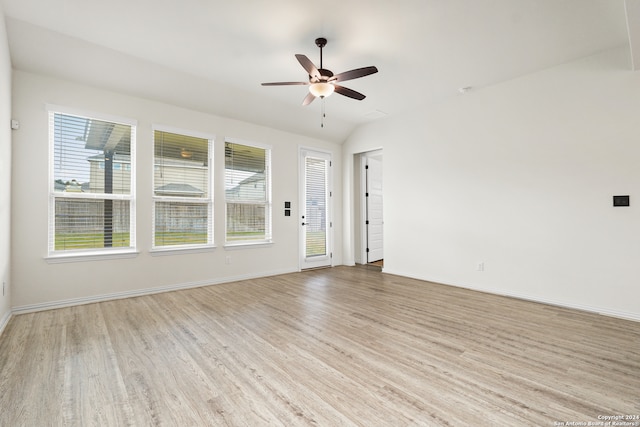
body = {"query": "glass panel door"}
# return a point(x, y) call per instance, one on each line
point(316, 213)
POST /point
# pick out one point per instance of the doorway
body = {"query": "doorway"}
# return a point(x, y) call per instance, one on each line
point(371, 228)
point(315, 213)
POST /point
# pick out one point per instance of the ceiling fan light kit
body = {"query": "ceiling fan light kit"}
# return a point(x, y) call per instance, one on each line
point(323, 82)
point(322, 89)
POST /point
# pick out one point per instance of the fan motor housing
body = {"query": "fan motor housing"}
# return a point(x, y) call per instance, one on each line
point(325, 73)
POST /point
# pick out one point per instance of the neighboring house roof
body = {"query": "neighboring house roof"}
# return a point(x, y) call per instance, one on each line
point(179, 189)
point(253, 177)
point(256, 177)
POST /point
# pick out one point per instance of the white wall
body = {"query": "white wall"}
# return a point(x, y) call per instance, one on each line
point(5, 174)
point(38, 284)
point(518, 176)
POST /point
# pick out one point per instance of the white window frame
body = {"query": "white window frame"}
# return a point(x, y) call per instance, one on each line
point(54, 256)
point(209, 201)
point(268, 202)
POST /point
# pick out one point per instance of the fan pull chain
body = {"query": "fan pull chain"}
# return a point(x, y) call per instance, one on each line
point(322, 113)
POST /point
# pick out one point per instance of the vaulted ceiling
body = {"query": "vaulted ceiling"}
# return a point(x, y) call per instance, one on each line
point(212, 55)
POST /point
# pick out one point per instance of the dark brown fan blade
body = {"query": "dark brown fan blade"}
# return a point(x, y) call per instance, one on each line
point(308, 99)
point(285, 84)
point(349, 92)
point(354, 74)
point(308, 65)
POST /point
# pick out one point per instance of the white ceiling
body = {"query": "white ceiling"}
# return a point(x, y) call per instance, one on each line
point(212, 55)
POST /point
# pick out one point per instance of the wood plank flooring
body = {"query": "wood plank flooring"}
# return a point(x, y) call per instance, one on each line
point(340, 346)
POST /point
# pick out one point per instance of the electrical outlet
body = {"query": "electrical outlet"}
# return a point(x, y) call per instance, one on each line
point(3, 283)
point(481, 266)
point(227, 260)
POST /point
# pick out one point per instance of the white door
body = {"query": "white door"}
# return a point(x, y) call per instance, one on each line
point(315, 212)
point(374, 221)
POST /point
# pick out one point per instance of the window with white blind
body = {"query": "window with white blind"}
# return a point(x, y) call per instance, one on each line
point(247, 193)
point(182, 208)
point(92, 202)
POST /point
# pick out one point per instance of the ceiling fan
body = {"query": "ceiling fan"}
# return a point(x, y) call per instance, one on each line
point(323, 82)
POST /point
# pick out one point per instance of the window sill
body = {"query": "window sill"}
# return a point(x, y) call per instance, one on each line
point(91, 256)
point(245, 245)
point(181, 251)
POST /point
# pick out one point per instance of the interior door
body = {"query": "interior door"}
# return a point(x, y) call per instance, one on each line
point(375, 220)
point(315, 215)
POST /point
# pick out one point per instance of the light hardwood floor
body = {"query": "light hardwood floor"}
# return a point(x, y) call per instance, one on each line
point(340, 346)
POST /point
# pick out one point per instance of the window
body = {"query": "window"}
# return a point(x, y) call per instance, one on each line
point(247, 193)
point(91, 203)
point(315, 209)
point(182, 215)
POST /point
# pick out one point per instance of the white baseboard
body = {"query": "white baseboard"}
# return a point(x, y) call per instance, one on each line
point(592, 309)
point(5, 320)
point(31, 308)
point(130, 294)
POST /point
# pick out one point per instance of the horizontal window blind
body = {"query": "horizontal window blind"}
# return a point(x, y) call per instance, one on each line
point(315, 206)
point(92, 180)
point(247, 193)
point(90, 156)
point(182, 190)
